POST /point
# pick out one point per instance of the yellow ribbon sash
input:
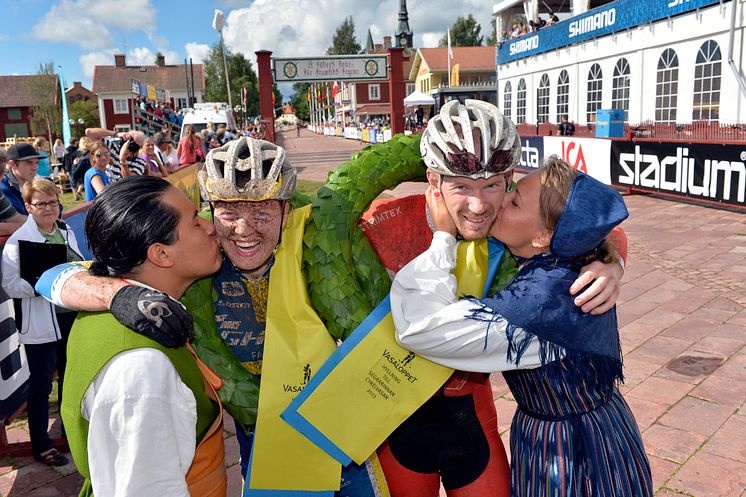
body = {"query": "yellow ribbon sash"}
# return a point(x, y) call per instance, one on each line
point(296, 345)
point(372, 384)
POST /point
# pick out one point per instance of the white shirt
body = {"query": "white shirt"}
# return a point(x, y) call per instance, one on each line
point(142, 431)
point(431, 321)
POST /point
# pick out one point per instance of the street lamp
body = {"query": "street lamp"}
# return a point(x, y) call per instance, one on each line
point(217, 24)
point(236, 110)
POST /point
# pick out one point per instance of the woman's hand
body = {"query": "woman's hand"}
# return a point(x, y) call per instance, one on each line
point(441, 217)
point(603, 293)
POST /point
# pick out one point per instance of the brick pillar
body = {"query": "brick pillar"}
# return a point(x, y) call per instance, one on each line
point(396, 89)
point(266, 107)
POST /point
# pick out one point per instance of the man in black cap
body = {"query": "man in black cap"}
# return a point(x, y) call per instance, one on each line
point(22, 162)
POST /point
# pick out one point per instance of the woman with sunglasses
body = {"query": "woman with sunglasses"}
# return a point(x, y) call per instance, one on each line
point(96, 179)
point(43, 328)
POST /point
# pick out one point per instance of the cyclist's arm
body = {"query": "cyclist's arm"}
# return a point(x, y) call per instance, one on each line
point(71, 285)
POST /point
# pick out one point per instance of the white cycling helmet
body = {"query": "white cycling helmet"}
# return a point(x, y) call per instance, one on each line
point(473, 140)
point(247, 170)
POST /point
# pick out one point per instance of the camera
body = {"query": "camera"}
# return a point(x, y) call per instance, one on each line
point(133, 147)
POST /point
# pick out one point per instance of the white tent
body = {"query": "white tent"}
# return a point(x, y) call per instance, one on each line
point(418, 98)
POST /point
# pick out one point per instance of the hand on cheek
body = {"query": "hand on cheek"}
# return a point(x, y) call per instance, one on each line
point(441, 217)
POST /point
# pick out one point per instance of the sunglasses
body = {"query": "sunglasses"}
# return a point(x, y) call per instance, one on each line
point(468, 163)
point(99, 155)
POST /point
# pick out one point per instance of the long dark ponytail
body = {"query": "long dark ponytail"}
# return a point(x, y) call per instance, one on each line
point(125, 219)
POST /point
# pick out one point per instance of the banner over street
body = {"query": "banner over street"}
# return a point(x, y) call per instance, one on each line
point(333, 68)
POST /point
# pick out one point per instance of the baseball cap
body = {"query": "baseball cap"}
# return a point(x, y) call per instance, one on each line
point(23, 151)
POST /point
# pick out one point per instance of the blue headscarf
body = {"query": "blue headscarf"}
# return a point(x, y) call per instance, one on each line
point(538, 300)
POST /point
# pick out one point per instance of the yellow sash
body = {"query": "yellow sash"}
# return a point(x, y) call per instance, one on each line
point(296, 344)
point(372, 384)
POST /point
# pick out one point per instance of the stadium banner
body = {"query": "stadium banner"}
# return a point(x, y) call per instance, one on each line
point(532, 152)
point(607, 19)
point(589, 155)
point(706, 172)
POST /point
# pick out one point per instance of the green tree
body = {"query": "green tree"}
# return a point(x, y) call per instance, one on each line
point(465, 32)
point(158, 55)
point(344, 41)
point(85, 110)
point(300, 100)
point(492, 39)
point(242, 75)
point(46, 114)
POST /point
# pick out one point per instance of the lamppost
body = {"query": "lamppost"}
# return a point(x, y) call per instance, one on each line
point(239, 109)
point(77, 125)
point(217, 24)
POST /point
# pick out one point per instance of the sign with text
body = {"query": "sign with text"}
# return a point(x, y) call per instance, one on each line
point(715, 173)
point(588, 155)
point(607, 19)
point(332, 68)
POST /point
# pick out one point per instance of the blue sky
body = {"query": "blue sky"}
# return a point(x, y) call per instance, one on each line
point(79, 34)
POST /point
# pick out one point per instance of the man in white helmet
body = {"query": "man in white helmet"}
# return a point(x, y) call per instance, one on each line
point(470, 151)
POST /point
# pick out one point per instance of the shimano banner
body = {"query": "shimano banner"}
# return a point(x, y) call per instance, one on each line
point(610, 18)
point(715, 173)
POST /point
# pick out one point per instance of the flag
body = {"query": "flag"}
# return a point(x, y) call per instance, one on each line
point(335, 89)
point(66, 135)
point(244, 97)
point(450, 49)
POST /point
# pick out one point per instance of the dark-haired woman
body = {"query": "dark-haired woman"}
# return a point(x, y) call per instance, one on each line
point(142, 419)
point(573, 434)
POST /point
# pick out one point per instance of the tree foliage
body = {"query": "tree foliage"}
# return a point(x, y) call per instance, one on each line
point(465, 32)
point(85, 110)
point(300, 100)
point(242, 75)
point(46, 115)
point(492, 39)
point(344, 41)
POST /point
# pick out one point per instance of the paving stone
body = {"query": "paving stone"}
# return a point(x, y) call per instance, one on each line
point(692, 377)
point(661, 470)
point(505, 410)
point(235, 483)
point(717, 345)
point(232, 451)
point(697, 416)
point(646, 412)
point(707, 475)
point(728, 441)
point(660, 349)
point(499, 387)
point(636, 370)
point(689, 329)
point(25, 479)
point(723, 390)
point(660, 390)
point(671, 443)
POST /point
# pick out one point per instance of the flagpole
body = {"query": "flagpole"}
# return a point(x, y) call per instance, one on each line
point(449, 57)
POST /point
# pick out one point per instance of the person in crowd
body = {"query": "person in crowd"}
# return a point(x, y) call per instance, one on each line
point(573, 433)
point(553, 19)
point(155, 167)
point(81, 165)
point(166, 151)
point(10, 219)
point(123, 148)
point(43, 327)
point(22, 163)
point(206, 137)
point(68, 161)
point(189, 148)
point(58, 150)
point(96, 179)
point(43, 168)
point(566, 128)
point(143, 419)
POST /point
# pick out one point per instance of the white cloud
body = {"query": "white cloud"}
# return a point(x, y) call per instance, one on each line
point(88, 23)
point(300, 27)
point(144, 56)
point(197, 51)
point(100, 58)
point(430, 40)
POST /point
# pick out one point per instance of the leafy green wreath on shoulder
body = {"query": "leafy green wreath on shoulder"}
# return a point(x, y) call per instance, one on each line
point(345, 278)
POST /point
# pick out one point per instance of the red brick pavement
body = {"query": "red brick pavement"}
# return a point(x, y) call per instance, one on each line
point(683, 298)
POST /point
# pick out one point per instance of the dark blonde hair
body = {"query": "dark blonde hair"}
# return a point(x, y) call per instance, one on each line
point(556, 181)
point(39, 185)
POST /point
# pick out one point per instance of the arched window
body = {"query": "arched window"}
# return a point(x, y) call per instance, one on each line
point(542, 100)
point(563, 96)
point(520, 101)
point(620, 87)
point(667, 87)
point(707, 83)
point(595, 87)
point(508, 100)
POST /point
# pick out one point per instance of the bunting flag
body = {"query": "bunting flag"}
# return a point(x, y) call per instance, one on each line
point(245, 93)
point(335, 89)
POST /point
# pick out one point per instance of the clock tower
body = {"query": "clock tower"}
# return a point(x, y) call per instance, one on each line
point(403, 34)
